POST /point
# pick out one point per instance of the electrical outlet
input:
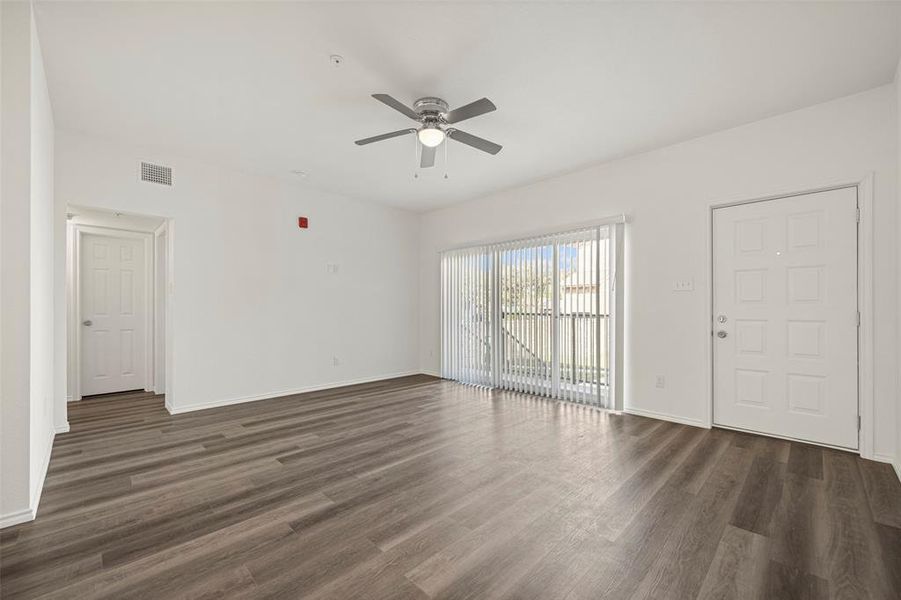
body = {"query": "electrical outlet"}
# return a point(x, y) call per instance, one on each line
point(331, 268)
point(661, 381)
point(683, 285)
point(335, 361)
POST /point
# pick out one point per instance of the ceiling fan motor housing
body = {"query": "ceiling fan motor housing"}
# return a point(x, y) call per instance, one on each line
point(430, 107)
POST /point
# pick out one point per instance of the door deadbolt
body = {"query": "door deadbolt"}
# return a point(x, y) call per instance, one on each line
point(721, 319)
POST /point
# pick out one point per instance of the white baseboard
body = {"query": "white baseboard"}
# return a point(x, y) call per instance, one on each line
point(14, 518)
point(177, 410)
point(39, 484)
point(29, 514)
point(665, 417)
point(64, 428)
point(432, 373)
point(886, 458)
point(896, 464)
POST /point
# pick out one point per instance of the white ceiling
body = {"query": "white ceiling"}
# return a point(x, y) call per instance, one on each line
point(250, 84)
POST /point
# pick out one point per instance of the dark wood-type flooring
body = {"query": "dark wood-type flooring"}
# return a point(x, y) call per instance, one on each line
point(422, 488)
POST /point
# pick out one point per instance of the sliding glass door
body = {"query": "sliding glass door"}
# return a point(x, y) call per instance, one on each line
point(532, 315)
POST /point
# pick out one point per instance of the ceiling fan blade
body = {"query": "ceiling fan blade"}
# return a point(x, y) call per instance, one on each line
point(384, 136)
point(397, 105)
point(474, 141)
point(473, 109)
point(428, 157)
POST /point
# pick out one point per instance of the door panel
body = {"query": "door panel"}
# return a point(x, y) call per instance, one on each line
point(785, 317)
point(113, 314)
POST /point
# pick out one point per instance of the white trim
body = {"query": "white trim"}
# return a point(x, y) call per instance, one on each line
point(866, 349)
point(173, 410)
point(38, 486)
point(708, 408)
point(666, 417)
point(617, 311)
point(897, 467)
point(62, 428)
point(72, 363)
point(524, 237)
point(159, 298)
point(884, 458)
point(74, 299)
point(15, 518)
point(29, 514)
point(170, 311)
point(430, 372)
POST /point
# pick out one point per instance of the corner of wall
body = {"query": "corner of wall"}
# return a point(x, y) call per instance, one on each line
point(896, 460)
point(30, 217)
point(28, 514)
point(38, 484)
point(15, 139)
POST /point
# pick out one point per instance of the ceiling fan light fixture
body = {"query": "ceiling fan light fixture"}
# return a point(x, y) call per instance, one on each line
point(431, 115)
point(431, 136)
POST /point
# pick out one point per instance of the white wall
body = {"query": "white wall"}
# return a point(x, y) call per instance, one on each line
point(43, 212)
point(255, 311)
point(15, 286)
point(666, 194)
point(897, 462)
point(27, 282)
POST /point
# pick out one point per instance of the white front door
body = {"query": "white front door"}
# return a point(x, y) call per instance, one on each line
point(785, 317)
point(113, 314)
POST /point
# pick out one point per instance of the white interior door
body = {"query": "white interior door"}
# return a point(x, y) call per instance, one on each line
point(113, 314)
point(785, 317)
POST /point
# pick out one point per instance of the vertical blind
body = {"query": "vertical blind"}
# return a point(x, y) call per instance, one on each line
point(531, 315)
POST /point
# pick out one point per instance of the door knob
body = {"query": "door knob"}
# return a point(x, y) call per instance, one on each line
point(721, 334)
point(87, 323)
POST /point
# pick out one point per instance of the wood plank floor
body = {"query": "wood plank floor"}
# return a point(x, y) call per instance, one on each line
point(422, 488)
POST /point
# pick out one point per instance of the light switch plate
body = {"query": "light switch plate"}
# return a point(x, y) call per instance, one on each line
point(684, 285)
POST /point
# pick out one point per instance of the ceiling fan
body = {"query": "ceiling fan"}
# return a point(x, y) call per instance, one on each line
point(434, 118)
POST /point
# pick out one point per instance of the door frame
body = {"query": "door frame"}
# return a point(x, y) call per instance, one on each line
point(865, 339)
point(78, 232)
point(160, 306)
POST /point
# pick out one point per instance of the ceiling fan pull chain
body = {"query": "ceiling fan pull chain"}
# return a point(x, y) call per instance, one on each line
point(415, 157)
point(445, 159)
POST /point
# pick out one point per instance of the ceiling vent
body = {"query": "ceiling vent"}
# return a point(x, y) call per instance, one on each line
point(152, 173)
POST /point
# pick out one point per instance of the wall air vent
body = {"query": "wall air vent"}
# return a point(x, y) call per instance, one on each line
point(152, 173)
